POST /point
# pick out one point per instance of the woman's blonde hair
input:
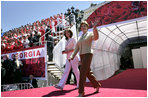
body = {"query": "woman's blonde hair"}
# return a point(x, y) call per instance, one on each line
point(84, 22)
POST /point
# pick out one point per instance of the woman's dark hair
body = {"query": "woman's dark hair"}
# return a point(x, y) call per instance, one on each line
point(71, 33)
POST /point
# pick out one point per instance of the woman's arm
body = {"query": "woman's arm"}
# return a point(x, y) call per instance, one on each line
point(68, 50)
point(74, 52)
point(72, 45)
point(95, 32)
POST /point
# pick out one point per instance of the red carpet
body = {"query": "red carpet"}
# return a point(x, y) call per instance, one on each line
point(130, 83)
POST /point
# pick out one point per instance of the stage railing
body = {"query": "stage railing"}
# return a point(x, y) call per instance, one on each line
point(17, 86)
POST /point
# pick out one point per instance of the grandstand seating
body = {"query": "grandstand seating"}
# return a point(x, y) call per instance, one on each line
point(14, 39)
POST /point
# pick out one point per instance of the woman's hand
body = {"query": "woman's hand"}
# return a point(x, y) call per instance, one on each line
point(95, 31)
point(79, 63)
point(67, 51)
point(63, 52)
point(70, 59)
point(95, 23)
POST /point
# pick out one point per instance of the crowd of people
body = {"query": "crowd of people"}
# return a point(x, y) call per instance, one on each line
point(11, 72)
point(11, 69)
point(33, 34)
point(48, 30)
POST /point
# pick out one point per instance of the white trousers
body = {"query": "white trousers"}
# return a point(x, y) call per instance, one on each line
point(74, 65)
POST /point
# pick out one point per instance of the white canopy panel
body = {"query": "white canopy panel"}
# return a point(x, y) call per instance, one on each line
point(117, 33)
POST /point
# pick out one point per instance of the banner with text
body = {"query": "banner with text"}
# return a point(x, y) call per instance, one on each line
point(34, 61)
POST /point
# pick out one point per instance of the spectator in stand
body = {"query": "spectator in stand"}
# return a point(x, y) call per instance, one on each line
point(19, 43)
point(9, 35)
point(27, 32)
point(39, 34)
point(52, 24)
point(55, 19)
point(26, 41)
point(63, 21)
point(10, 46)
point(50, 46)
point(33, 81)
point(42, 21)
point(58, 23)
point(19, 34)
point(15, 36)
point(2, 59)
point(13, 69)
point(21, 39)
point(6, 45)
point(16, 44)
point(33, 32)
point(36, 39)
point(48, 30)
point(3, 71)
point(38, 30)
point(30, 38)
point(45, 27)
point(3, 46)
point(17, 69)
point(7, 64)
point(28, 35)
point(42, 33)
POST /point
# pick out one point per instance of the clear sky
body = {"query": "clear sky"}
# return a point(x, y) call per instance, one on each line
point(17, 13)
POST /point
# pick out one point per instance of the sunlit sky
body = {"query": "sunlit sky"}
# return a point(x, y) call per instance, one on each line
point(14, 14)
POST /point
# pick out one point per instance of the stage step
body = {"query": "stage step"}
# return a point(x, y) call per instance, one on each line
point(53, 69)
point(54, 73)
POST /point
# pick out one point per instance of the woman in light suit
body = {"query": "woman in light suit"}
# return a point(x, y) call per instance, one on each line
point(69, 48)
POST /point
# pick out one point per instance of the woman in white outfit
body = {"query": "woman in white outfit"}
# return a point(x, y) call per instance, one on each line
point(69, 48)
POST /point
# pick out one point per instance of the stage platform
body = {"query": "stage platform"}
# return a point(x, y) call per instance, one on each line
point(129, 83)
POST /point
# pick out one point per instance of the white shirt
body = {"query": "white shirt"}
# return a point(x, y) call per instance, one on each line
point(39, 33)
point(63, 20)
point(33, 32)
point(52, 23)
point(58, 20)
point(26, 43)
point(3, 45)
point(18, 63)
point(53, 28)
